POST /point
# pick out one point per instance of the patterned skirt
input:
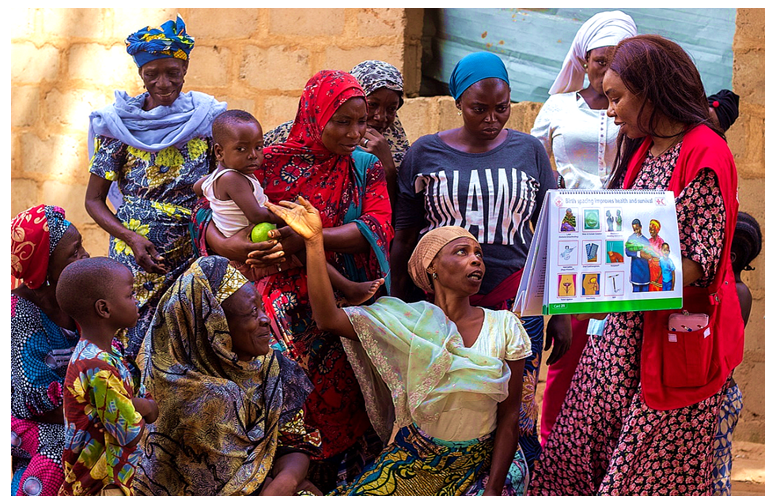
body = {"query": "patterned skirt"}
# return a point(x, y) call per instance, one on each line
point(607, 441)
point(727, 419)
point(418, 464)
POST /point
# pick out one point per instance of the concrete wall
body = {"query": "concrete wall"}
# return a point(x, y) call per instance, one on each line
point(67, 62)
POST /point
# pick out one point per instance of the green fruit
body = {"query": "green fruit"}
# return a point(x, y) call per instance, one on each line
point(261, 232)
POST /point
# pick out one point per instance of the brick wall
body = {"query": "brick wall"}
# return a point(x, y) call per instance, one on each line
point(67, 62)
point(746, 140)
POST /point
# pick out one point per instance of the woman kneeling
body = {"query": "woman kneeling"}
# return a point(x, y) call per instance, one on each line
point(447, 366)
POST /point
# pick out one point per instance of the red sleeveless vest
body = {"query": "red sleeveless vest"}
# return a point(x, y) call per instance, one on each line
point(711, 360)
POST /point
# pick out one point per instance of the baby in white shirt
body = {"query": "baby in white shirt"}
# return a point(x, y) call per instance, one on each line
point(237, 198)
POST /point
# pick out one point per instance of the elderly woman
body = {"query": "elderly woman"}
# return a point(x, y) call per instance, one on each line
point(491, 181)
point(155, 146)
point(575, 129)
point(43, 243)
point(453, 370)
point(321, 161)
point(230, 408)
point(643, 421)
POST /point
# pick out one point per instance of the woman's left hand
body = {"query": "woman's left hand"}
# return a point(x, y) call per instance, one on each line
point(300, 216)
point(374, 143)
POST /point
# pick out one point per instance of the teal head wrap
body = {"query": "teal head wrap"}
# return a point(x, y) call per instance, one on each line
point(168, 41)
point(473, 68)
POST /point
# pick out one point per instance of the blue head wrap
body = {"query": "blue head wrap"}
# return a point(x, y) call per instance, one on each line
point(473, 68)
point(168, 41)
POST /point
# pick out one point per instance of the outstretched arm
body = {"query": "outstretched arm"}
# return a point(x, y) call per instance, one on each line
point(304, 219)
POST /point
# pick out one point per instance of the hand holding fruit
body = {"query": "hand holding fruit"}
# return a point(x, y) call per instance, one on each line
point(261, 232)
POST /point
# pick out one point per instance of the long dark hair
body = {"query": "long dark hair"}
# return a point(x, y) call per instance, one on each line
point(660, 72)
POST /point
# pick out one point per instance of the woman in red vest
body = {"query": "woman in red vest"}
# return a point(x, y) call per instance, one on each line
point(641, 413)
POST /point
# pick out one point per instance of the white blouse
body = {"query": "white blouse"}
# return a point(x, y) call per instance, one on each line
point(502, 336)
point(581, 140)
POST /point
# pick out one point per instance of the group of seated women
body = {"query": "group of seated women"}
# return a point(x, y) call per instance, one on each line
point(430, 386)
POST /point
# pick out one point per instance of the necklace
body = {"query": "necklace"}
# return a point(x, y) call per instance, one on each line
point(672, 143)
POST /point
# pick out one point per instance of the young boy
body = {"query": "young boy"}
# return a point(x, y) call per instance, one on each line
point(104, 417)
point(667, 268)
point(237, 198)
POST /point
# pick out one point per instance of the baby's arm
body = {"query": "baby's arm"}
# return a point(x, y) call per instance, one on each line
point(197, 187)
point(234, 186)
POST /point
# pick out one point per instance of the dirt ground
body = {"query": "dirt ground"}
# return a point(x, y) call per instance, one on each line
point(748, 474)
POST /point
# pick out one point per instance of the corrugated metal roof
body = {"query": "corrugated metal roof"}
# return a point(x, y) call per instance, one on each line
point(534, 42)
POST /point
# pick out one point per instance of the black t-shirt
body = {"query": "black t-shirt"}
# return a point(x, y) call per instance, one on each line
point(494, 195)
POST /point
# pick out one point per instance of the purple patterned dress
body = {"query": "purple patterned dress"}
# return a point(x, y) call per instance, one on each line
point(606, 440)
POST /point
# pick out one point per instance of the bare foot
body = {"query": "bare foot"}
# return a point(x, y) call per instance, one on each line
point(356, 293)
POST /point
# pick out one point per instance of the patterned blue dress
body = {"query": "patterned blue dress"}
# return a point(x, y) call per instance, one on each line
point(40, 351)
point(158, 198)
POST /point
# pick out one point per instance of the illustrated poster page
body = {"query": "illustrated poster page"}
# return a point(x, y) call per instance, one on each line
point(612, 251)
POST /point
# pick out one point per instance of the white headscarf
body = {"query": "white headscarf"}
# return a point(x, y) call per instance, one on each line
point(603, 29)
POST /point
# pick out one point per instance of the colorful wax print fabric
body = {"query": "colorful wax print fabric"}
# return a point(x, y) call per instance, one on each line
point(100, 420)
point(157, 203)
point(222, 421)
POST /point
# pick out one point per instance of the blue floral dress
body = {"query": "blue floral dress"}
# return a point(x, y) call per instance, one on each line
point(158, 198)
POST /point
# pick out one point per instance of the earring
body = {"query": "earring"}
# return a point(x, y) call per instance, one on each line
point(459, 112)
point(435, 275)
point(585, 66)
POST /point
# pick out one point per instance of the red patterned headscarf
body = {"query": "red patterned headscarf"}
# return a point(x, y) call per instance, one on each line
point(323, 94)
point(34, 235)
point(298, 165)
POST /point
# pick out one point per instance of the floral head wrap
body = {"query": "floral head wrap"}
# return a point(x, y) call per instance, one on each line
point(375, 74)
point(168, 41)
point(34, 236)
point(656, 224)
point(426, 250)
point(201, 386)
